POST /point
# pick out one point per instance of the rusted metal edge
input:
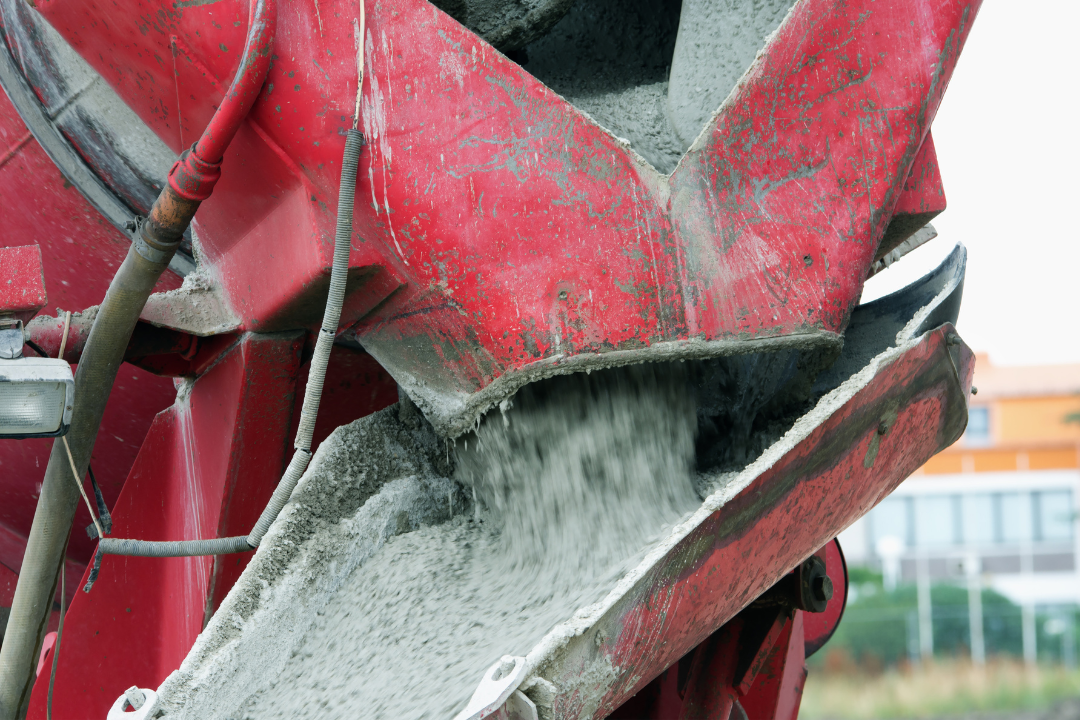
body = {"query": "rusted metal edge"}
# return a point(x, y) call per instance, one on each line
point(919, 238)
point(754, 528)
point(452, 414)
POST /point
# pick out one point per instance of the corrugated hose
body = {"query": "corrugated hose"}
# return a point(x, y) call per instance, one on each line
point(354, 143)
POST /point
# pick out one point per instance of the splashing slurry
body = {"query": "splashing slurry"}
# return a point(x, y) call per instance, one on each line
point(572, 484)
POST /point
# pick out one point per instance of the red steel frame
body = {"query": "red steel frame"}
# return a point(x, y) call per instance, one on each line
point(499, 233)
point(757, 660)
point(207, 469)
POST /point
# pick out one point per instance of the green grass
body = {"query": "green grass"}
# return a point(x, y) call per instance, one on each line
point(840, 691)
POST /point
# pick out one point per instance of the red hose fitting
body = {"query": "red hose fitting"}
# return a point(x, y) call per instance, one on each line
point(192, 178)
point(194, 175)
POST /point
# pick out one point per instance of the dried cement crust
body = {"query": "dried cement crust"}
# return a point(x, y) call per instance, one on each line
point(369, 481)
point(377, 499)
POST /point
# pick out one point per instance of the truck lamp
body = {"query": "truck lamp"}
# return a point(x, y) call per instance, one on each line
point(35, 393)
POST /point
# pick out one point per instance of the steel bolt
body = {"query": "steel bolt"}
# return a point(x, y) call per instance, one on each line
point(822, 588)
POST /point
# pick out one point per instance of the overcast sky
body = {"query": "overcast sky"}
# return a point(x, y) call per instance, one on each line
point(1008, 142)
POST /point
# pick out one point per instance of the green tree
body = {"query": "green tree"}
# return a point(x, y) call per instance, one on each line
point(880, 627)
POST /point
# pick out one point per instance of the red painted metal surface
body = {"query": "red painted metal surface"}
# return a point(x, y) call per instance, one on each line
point(923, 195)
point(523, 234)
point(207, 469)
point(756, 660)
point(912, 408)
point(22, 282)
point(700, 685)
point(197, 171)
point(207, 462)
point(777, 688)
point(920, 201)
point(80, 252)
point(499, 232)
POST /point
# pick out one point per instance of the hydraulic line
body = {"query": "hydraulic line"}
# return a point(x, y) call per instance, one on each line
point(191, 180)
point(354, 142)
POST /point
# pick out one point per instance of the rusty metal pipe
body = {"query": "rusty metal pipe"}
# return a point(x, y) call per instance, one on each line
point(146, 260)
point(191, 180)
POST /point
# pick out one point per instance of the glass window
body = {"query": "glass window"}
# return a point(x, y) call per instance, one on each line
point(978, 427)
point(1055, 513)
point(890, 519)
point(977, 519)
point(934, 520)
point(1016, 517)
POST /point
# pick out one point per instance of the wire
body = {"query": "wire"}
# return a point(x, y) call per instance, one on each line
point(56, 647)
point(82, 490)
point(358, 40)
point(99, 499)
point(63, 337)
point(37, 348)
point(67, 448)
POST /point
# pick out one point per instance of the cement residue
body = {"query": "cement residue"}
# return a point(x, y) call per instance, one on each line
point(718, 40)
point(610, 58)
point(574, 483)
point(369, 481)
point(506, 24)
point(653, 73)
point(199, 306)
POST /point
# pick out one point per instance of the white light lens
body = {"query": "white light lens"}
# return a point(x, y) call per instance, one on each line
point(31, 408)
point(35, 397)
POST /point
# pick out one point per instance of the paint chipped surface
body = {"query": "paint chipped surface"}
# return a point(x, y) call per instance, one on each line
point(501, 207)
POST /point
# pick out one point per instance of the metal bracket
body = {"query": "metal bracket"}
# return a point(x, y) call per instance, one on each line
point(135, 704)
point(500, 682)
point(11, 338)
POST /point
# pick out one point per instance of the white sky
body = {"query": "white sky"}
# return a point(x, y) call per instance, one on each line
point(1008, 141)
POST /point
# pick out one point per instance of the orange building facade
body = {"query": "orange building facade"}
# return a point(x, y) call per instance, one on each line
point(1022, 418)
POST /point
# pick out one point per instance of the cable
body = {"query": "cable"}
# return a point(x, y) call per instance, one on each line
point(102, 508)
point(82, 490)
point(37, 348)
point(354, 143)
point(56, 648)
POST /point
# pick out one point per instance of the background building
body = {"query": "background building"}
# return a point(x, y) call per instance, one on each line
point(1004, 500)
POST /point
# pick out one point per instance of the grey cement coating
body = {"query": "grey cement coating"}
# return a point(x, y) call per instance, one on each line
point(653, 72)
point(718, 40)
point(610, 59)
point(370, 481)
point(506, 24)
point(383, 588)
point(390, 619)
